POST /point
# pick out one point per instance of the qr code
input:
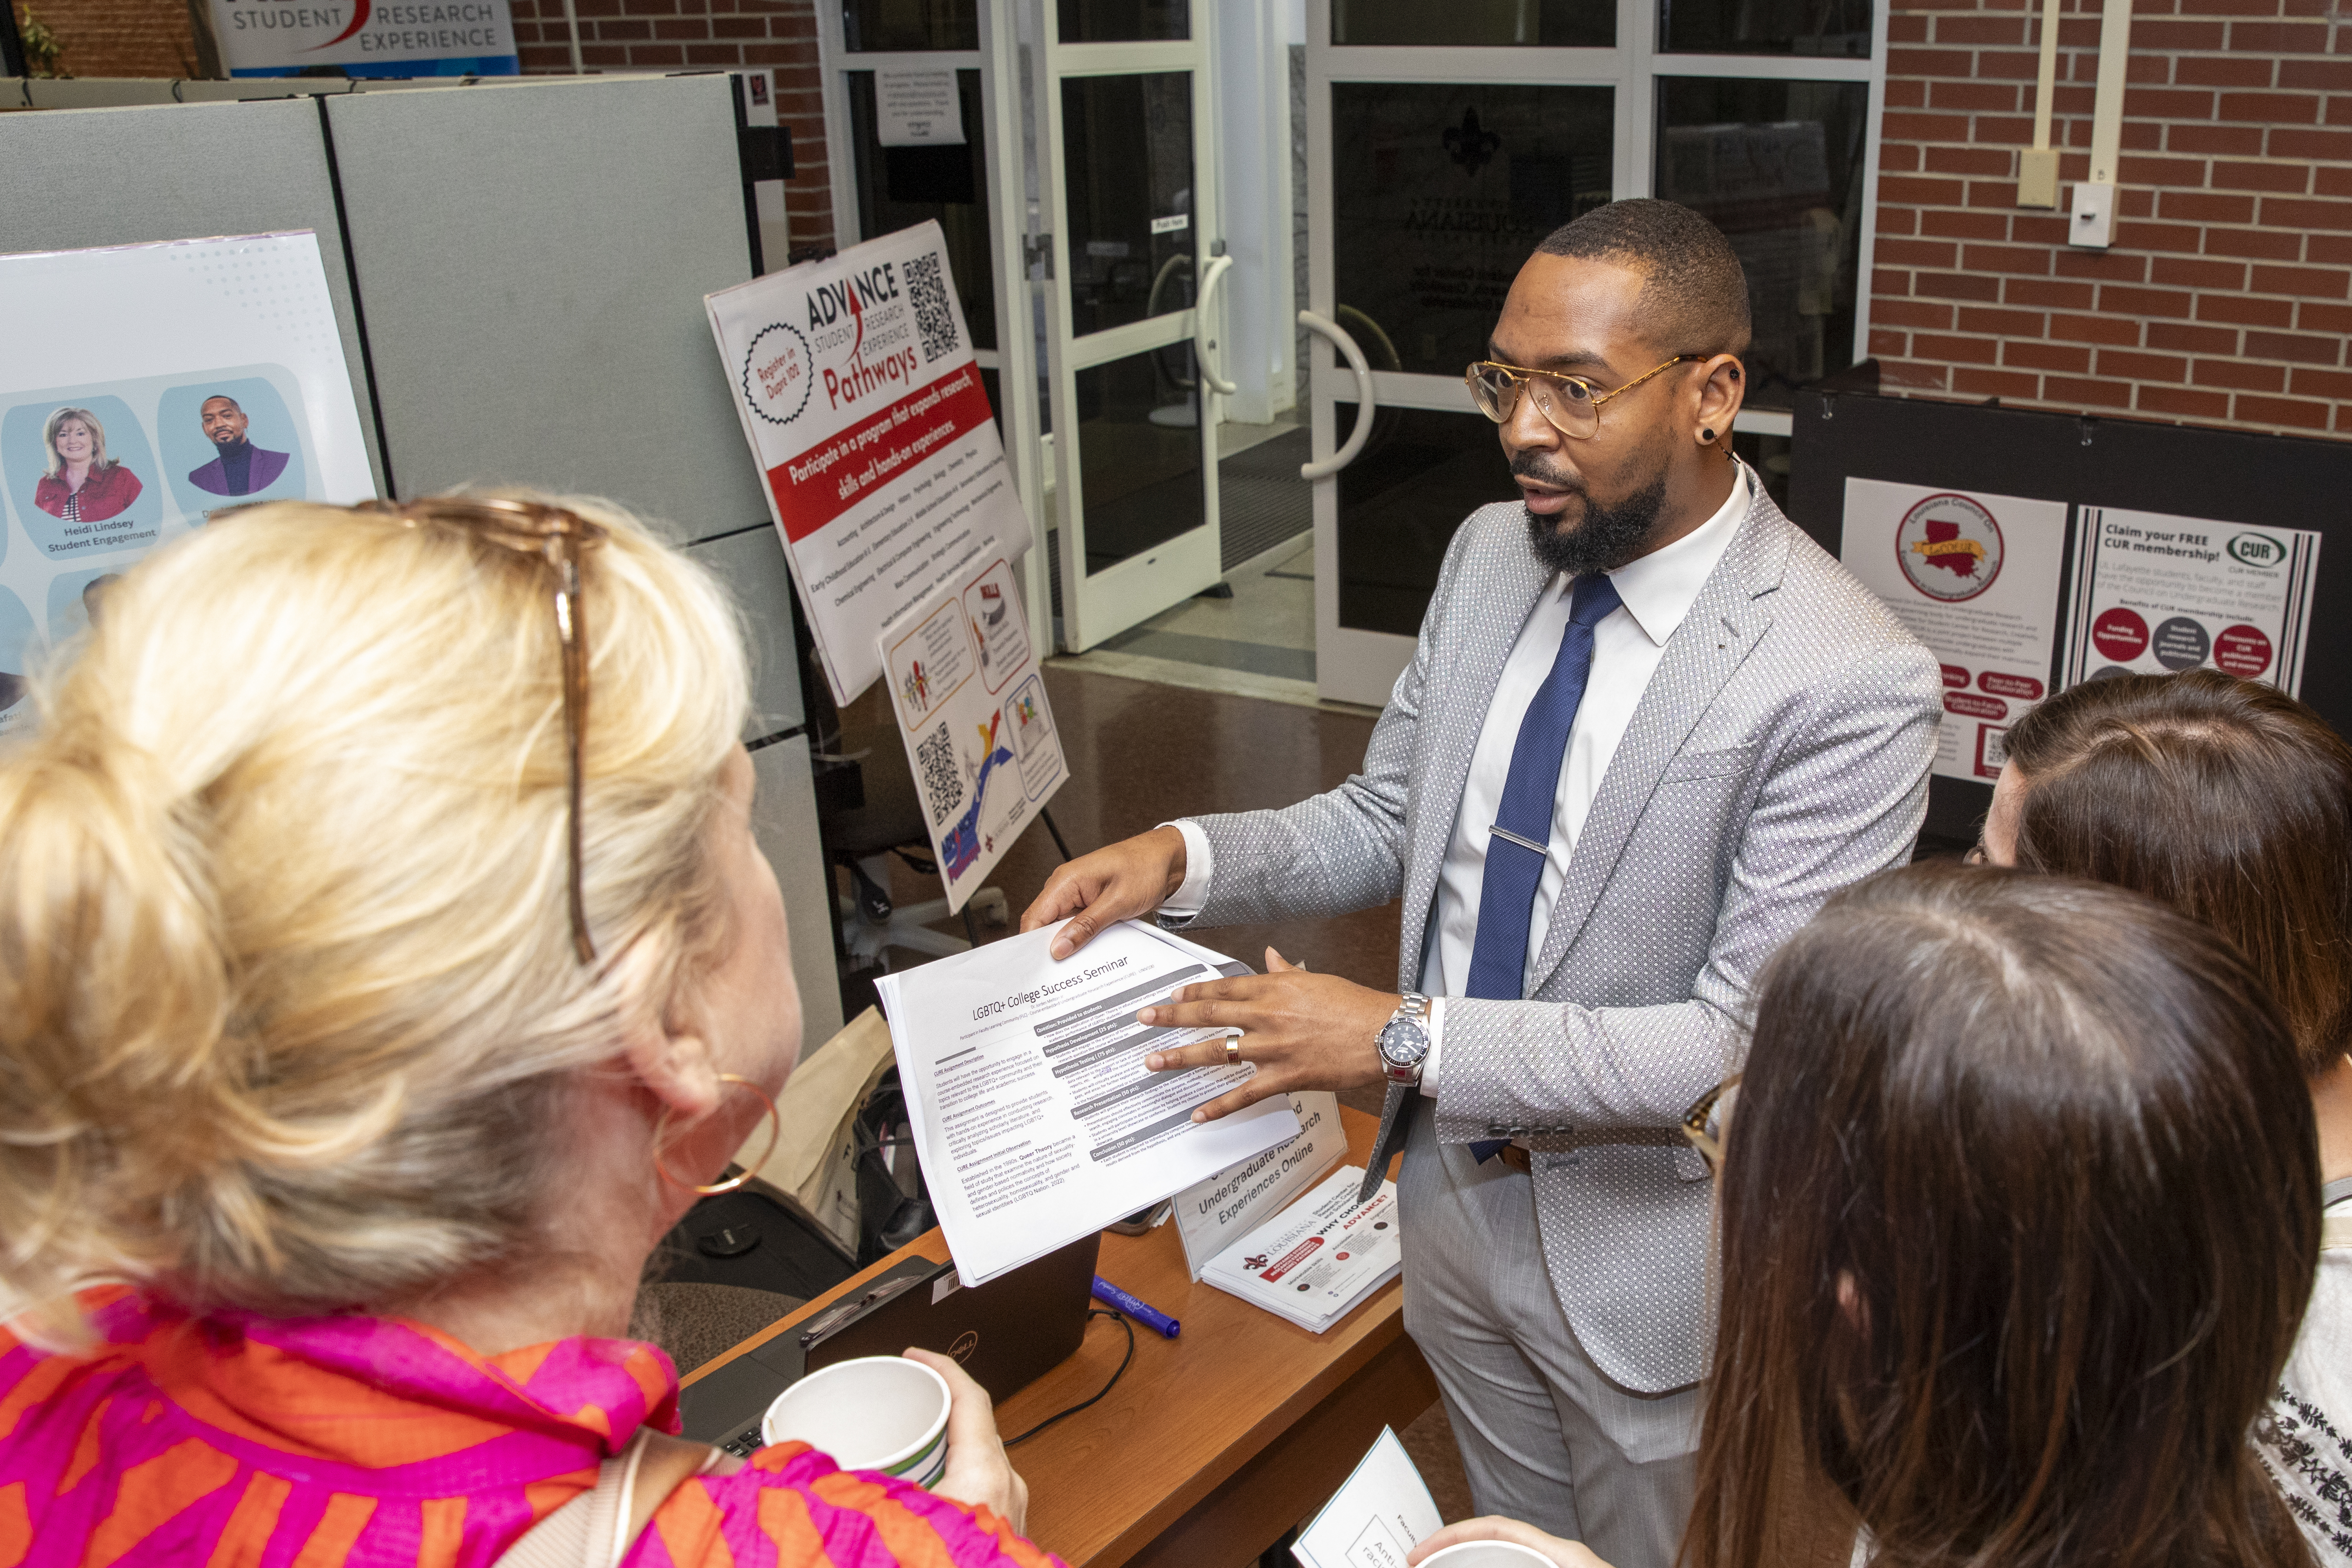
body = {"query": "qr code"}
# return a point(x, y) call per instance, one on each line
point(1992, 750)
point(934, 318)
point(942, 779)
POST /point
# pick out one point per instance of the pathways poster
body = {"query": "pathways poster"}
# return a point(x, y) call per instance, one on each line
point(971, 707)
point(1975, 577)
point(858, 390)
point(146, 387)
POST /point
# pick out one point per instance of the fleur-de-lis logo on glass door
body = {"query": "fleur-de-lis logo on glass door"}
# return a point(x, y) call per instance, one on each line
point(1470, 144)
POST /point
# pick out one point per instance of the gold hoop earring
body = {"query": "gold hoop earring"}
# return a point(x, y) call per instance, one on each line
point(713, 1189)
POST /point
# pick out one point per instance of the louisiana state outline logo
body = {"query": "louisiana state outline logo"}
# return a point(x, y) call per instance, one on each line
point(1950, 548)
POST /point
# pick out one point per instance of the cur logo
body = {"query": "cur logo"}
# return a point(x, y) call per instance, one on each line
point(2257, 549)
point(966, 1342)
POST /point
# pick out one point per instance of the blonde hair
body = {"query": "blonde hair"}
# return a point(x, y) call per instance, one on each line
point(289, 999)
point(98, 458)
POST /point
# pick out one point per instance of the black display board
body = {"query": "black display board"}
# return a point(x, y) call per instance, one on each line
point(2226, 476)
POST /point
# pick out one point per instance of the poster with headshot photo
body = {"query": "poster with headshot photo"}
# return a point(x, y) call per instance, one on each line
point(146, 389)
point(17, 645)
point(230, 438)
point(80, 473)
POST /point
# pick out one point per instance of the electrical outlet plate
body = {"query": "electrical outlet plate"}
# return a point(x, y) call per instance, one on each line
point(2037, 177)
point(2093, 223)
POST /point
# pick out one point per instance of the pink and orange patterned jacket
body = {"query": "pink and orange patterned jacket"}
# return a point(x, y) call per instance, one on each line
point(250, 1442)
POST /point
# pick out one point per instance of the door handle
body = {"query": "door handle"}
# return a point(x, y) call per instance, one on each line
point(1364, 405)
point(1211, 275)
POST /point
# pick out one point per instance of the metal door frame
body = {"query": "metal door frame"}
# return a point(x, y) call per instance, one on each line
point(1356, 666)
point(1014, 358)
point(1103, 605)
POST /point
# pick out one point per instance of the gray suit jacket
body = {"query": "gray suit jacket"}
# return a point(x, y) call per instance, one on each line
point(1780, 752)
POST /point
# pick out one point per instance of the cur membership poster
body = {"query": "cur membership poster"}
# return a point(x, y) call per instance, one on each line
point(1976, 576)
point(2154, 593)
point(858, 390)
point(146, 387)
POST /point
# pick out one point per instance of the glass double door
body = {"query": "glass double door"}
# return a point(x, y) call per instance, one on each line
point(1444, 141)
point(1083, 222)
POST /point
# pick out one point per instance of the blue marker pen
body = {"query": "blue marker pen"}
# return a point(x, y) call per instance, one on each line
point(1151, 1317)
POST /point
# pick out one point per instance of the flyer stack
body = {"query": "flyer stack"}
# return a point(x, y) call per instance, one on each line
point(1315, 1261)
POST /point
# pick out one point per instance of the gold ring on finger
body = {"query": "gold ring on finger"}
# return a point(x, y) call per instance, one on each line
point(1233, 1049)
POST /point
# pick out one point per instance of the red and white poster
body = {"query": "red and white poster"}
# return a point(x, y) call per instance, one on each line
point(858, 390)
point(1975, 577)
point(2154, 593)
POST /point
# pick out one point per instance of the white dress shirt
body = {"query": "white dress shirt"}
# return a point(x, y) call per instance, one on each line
point(1628, 644)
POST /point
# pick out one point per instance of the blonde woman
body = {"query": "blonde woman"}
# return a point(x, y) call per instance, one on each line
point(384, 958)
point(83, 484)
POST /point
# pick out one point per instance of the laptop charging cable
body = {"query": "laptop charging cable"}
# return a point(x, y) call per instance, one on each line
point(1118, 1318)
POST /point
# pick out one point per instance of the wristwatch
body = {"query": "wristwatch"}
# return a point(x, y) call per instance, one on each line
point(1404, 1040)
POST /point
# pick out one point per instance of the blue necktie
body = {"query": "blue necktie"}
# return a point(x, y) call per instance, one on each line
point(1498, 957)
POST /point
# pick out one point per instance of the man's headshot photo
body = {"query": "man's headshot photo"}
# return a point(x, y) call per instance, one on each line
point(93, 594)
point(241, 468)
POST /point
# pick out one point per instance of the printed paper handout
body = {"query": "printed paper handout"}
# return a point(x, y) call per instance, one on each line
point(1315, 1261)
point(972, 708)
point(1977, 578)
point(146, 387)
point(1033, 1117)
point(1380, 1515)
point(856, 383)
point(2154, 593)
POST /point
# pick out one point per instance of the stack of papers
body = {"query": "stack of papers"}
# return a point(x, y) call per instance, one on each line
point(1313, 1262)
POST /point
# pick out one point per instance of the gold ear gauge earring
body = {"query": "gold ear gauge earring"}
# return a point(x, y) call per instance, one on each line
point(713, 1189)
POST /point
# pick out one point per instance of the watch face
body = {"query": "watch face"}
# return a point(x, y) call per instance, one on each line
point(1403, 1042)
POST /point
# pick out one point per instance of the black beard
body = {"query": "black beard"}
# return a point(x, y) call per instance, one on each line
point(1609, 537)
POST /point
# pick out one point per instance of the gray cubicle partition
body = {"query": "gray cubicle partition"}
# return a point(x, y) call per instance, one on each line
point(71, 181)
point(530, 260)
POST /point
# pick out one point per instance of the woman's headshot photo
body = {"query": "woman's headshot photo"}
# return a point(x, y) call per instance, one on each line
point(82, 484)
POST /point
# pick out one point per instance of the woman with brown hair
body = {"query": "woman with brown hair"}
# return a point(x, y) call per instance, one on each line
point(2233, 803)
point(2017, 1220)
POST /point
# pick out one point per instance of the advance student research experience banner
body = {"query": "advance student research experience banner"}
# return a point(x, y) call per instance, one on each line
point(366, 37)
point(144, 388)
point(858, 390)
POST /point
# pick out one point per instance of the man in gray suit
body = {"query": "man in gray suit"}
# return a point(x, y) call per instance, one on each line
point(1648, 728)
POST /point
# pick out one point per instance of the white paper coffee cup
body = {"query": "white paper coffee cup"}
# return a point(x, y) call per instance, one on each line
point(1489, 1554)
point(880, 1413)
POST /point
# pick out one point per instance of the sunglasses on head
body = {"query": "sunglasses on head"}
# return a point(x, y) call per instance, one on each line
point(1708, 1119)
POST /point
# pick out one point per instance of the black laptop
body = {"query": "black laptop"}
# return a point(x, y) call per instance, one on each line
point(1006, 1333)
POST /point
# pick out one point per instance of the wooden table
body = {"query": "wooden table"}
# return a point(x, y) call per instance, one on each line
point(1215, 1442)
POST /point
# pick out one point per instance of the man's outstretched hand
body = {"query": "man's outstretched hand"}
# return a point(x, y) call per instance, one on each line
point(1118, 882)
point(1302, 1030)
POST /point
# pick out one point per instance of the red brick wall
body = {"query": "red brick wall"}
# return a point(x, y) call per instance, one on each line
point(120, 38)
point(2226, 298)
point(642, 34)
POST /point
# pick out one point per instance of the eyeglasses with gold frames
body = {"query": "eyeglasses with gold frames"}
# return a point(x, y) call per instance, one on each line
point(1570, 403)
point(557, 537)
point(1709, 1120)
